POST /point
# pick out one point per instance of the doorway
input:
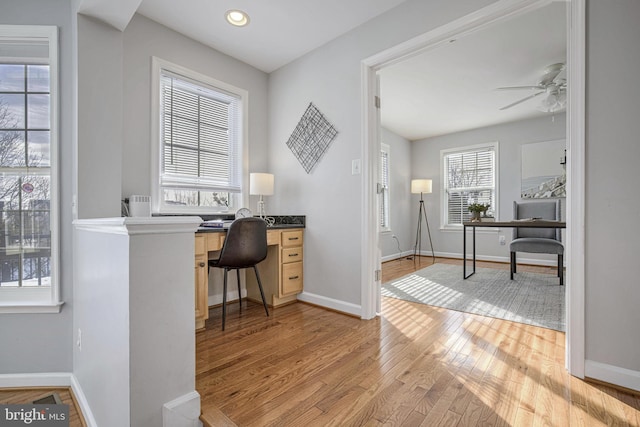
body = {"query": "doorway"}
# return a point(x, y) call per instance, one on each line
point(575, 145)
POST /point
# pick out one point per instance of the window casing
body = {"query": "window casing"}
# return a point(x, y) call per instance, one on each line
point(469, 176)
point(384, 210)
point(28, 169)
point(198, 142)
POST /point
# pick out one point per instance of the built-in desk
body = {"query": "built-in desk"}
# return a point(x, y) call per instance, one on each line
point(281, 272)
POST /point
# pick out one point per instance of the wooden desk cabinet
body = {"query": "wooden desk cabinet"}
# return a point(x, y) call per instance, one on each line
point(281, 272)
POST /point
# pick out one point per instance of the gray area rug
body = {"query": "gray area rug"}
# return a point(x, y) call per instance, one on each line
point(531, 298)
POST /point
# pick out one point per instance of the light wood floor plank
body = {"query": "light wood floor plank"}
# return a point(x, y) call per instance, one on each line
point(414, 365)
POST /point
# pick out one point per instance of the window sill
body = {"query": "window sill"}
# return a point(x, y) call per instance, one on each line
point(30, 308)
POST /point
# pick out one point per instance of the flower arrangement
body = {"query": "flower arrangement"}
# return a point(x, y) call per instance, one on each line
point(478, 207)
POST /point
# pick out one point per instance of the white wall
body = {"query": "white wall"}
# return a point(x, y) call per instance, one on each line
point(42, 342)
point(425, 163)
point(612, 207)
point(400, 198)
point(144, 38)
point(330, 195)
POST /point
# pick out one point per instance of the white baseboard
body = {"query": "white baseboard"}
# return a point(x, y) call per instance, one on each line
point(52, 379)
point(333, 304)
point(183, 411)
point(612, 374)
point(521, 260)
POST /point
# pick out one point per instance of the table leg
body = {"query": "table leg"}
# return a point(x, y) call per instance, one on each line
point(464, 251)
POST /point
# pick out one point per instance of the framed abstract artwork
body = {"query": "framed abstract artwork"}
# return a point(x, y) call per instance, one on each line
point(543, 170)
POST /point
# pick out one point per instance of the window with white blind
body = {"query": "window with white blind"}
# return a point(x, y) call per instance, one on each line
point(28, 169)
point(384, 220)
point(199, 143)
point(469, 176)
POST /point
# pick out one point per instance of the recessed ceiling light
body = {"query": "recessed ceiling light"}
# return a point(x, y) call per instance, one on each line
point(237, 18)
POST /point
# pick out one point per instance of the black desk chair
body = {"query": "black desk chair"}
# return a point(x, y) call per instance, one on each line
point(244, 246)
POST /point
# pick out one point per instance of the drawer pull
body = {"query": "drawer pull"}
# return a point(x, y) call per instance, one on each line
point(293, 238)
point(202, 264)
point(294, 277)
point(293, 255)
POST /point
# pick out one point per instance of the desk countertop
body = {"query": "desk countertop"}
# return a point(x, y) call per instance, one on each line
point(273, 227)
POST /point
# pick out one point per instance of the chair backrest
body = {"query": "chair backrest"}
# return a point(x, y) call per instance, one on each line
point(245, 244)
point(546, 210)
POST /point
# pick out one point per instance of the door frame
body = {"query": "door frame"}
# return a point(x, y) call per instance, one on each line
point(576, 41)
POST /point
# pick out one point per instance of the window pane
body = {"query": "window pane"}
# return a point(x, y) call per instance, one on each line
point(38, 111)
point(39, 146)
point(12, 149)
point(11, 78)
point(38, 78)
point(11, 111)
point(35, 192)
point(195, 198)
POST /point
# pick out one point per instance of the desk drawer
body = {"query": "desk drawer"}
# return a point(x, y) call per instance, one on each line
point(273, 237)
point(200, 244)
point(292, 278)
point(215, 241)
point(291, 238)
point(291, 255)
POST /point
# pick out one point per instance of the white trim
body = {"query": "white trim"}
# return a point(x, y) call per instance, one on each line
point(32, 308)
point(157, 65)
point(52, 379)
point(183, 411)
point(140, 225)
point(612, 374)
point(333, 304)
point(575, 338)
point(576, 130)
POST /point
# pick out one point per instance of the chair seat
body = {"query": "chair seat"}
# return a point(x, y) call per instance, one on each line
point(537, 245)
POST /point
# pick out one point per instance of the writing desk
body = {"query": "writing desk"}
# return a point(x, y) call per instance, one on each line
point(281, 272)
point(523, 223)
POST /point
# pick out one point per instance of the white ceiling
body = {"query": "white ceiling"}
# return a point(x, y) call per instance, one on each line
point(452, 88)
point(279, 30)
point(447, 89)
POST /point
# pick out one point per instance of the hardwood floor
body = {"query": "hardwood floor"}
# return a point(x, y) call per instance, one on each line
point(11, 396)
point(415, 365)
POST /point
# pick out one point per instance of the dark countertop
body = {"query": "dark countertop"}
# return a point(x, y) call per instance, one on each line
point(273, 227)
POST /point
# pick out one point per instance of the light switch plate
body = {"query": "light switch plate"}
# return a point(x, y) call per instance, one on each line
point(355, 167)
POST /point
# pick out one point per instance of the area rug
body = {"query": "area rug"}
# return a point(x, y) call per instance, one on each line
point(531, 298)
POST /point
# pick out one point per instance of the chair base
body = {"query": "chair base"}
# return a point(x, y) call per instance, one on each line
point(513, 267)
point(224, 293)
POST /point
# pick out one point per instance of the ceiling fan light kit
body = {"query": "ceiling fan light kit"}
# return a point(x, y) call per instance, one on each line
point(551, 85)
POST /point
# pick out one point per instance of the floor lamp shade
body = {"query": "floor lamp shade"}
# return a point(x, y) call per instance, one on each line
point(261, 184)
point(421, 186)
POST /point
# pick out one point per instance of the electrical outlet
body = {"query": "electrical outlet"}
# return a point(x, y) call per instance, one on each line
point(502, 240)
point(79, 341)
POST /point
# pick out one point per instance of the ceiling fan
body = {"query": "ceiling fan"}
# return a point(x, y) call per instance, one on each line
point(551, 84)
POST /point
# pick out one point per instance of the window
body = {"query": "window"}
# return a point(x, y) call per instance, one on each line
point(199, 144)
point(385, 222)
point(28, 170)
point(469, 176)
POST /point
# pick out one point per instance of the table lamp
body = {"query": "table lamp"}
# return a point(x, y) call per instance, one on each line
point(261, 184)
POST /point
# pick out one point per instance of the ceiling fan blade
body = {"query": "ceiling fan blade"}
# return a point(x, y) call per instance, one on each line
point(522, 100)
point(521, 87)
point(551, 73)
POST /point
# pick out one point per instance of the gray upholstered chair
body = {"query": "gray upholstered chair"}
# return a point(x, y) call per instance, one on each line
point(537, 240)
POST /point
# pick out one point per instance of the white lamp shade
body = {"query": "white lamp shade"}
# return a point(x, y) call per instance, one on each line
point(420, 186)
point(261, 184)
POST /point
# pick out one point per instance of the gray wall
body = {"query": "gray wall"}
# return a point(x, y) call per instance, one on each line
point(330, 195)
point(400, 200)
point(144, 38)
point(425, 163)
point(612, 207)
point(43, 342)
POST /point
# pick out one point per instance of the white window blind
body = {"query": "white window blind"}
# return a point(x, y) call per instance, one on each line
point(469, 177)
point(384, 217)
point(200, 145)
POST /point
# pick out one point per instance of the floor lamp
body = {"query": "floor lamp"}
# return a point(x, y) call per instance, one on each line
point(421, 186)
